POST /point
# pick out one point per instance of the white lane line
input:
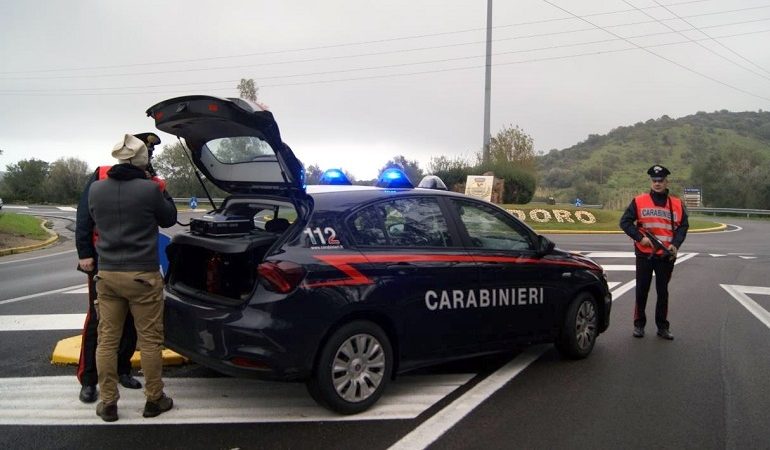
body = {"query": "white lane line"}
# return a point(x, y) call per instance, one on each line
point(739, 294)
point(439, 423)
point(619, 267)
point(15, 207)
point(66, 208)
point(39, 322)
point(40, 294)
point(609, 254)
point(612, 284)
point(36, 257)
point(83, 290)
point(623, 289)
point(54, 401)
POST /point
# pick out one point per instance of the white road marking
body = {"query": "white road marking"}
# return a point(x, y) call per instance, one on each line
point(39, 294)
point(715, 255)
point(619, 267)
point(15, 207)
point(739, 293)
point(612, 284)
point(83, 290)
point(54, 401)
point(39, 322)
point(439, 423)
point(747, 257)
point(36, 257)
point(609, 254)
point(66, 208)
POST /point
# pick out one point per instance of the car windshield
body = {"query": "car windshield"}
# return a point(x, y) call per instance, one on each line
point(239, 149)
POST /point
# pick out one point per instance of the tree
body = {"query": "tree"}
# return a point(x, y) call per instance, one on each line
point(66, 180)
point(24, 180)
point(173, 164)
point(248, 89)
point(410, 168)
point(513, 145)
point(313, 174)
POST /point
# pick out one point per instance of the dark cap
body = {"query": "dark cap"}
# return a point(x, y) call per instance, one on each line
point(149, 139)
point(658, 172)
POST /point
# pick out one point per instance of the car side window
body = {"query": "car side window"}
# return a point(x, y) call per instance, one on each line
point(489, 229)
point(402, 222)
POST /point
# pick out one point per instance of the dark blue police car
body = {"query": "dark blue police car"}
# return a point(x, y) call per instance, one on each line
point(345, 286)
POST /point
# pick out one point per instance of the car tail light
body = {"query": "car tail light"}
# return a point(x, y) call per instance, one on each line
point(280, 276)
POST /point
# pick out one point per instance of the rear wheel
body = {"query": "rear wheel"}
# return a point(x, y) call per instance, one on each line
point(580, 328)
point(353, 368)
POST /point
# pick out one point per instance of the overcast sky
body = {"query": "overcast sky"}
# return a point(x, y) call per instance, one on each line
point(354, 83)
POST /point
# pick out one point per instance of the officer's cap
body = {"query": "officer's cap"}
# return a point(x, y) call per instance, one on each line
point(149, 139)
point(658, 172)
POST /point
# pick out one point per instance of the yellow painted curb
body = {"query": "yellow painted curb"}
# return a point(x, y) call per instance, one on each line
point(67, 351)
point(12, 251)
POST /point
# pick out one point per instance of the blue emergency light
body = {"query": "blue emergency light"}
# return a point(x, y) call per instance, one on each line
point(334, 176)
point(394, 179)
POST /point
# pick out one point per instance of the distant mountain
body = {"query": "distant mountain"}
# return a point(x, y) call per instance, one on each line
point(726, 154)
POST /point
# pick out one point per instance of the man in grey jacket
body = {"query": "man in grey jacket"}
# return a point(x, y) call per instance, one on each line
point(127, 208)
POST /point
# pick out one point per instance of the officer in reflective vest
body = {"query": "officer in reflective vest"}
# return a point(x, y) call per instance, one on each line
point(86, 236)
point(657, 222)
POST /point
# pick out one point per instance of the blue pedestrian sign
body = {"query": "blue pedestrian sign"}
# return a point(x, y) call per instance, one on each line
point(578, 202)
point(193, 202)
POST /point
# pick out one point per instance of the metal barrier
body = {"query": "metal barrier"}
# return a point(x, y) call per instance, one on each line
point(731, 211)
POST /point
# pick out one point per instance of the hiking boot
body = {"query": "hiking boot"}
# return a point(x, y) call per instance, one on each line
point(638, 332)
point(159, 406)
point(108, 413)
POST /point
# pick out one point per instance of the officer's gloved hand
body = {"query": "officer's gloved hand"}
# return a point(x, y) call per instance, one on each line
point(672, 248)
point(645, 242)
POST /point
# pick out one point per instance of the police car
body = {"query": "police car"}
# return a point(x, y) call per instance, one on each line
point(344, 287)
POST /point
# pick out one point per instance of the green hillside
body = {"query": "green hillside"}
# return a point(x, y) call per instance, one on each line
point(726, 154)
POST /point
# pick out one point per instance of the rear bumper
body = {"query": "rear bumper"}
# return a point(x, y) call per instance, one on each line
point(241, 342)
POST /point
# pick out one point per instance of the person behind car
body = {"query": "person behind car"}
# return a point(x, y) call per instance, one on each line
point(85, 239)
point(658, 224)
point(127, 207)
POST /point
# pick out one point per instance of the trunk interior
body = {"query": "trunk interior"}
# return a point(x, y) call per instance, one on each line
point(217, 269)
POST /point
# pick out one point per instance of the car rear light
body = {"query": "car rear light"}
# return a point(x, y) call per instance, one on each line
point(280, 276)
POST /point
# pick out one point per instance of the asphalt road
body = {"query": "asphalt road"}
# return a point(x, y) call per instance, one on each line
point(707, 389)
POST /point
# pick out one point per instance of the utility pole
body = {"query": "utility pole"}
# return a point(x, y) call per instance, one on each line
point(488, 85)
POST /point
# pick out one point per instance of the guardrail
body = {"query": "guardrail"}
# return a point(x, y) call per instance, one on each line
point(731, 211)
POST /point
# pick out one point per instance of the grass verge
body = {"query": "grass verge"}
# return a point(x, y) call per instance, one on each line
point(22, 225)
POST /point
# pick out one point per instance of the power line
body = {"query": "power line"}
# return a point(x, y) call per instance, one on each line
point(249, 66)
point(708, 77)
point(304, 83)
point(326, 47)
point(697, 42)
point(387, 66)
point(706, 34)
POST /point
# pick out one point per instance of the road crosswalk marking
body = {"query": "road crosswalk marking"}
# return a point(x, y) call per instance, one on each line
point(739, 293)
point(54, 401)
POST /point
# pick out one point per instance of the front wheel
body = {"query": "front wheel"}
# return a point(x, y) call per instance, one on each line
point(353, 368)
point(580, 328)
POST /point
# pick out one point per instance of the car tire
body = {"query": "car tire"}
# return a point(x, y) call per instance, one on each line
point(353, 368)
point(580, 327)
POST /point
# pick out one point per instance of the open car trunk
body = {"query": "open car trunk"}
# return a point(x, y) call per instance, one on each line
point(222, 269)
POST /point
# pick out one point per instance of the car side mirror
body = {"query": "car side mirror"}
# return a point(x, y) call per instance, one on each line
point(544, 245)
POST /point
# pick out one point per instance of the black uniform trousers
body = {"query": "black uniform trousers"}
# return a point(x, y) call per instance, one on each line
point(87, 374)
point(645, 267)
